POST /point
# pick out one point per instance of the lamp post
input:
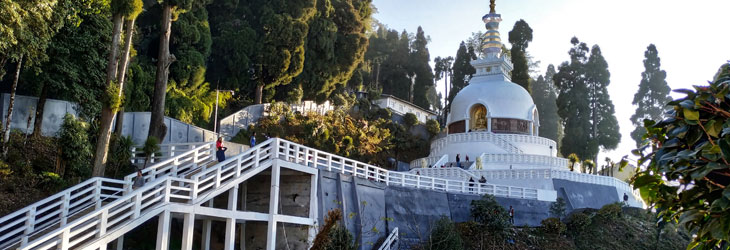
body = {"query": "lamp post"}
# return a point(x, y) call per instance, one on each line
point(215, 116)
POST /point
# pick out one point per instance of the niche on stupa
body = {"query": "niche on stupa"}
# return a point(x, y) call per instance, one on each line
point(478, 118)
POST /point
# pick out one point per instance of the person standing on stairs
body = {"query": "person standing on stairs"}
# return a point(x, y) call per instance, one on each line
point(220, 152)
point(458, 159)
point(253, 139)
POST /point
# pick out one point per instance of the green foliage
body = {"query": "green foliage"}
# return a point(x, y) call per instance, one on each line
point(76, 153)
point(545, 94)
point(520, 37)
point(461, 70)
point(584, 105)
point(336, 44)
point(573, 159)
point(652, 95)
point(490, 215)
point(557, 209)
point(444, 236)
point(553, 225)
point(587, 166)
point(5, 170)
point(151, 146)
point(422, 71)
point(577, 222)
point(340, 239)
point(50, 181)
point(127, 8)
point(112, 98)
point(118, 162)
point(610, 211)
point(691, 147)
point(249, 53)
point(433, 127)
point(410, 120)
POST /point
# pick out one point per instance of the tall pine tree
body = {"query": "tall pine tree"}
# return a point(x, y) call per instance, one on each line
point(544, 95)
point(584, 104)
point(653, 93)
point(520, 37)
point(461, 70)
point(421, 70)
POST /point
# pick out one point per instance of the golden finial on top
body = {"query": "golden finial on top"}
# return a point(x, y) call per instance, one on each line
point(491, 7)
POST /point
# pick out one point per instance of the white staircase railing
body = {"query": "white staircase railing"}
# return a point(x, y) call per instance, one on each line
point(322, 160)
point(55, 211)
point(118, 217)
point(166, 151)
point(391, 241)
point(439, 144)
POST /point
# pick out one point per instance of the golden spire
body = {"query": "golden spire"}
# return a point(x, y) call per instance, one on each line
point(491, 7)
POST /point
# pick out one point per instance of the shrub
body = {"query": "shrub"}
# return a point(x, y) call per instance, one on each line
point(444, 236)
point(119, 162)
point(433, 127)
point(410, 120)
point(610, 211)
point(76, 150)
point(151, 146)
point(557, 209)
point(5, 170)
point(553, 226)
point(51, 181)
point(340, 239)
point(577, 222)
point(490, 214)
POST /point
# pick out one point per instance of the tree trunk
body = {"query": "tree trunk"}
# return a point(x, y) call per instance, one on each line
point(107, 114)
point(259, 92)
point(40, 106)
point(6, 132)
point(595, 123)
point(158, 128)
point(121, 73)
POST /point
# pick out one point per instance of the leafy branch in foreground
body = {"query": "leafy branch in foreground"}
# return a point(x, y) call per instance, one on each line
point(687, 175)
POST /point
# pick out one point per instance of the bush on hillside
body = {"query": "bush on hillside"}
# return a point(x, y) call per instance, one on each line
point(433, 127)
point(410, 120)
point(119, 162)
point(577, 222)
point(489, 214)
point(610, 211)
point(557, 209)
point(444, 236)
point(76, 152)
point(553, 225)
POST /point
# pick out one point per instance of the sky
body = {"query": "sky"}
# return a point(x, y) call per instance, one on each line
point(691, 38)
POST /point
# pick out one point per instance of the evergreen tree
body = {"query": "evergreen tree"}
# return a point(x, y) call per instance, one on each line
point(462, 70)
point(543, 93)
point(396, 71)
point(421, 70)
point(336, 45)
point(653, 93)
point(520, 37)
point(584, 104)
point(443, 71)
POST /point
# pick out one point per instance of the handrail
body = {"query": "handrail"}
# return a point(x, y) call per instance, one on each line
point(166, 151)
point(446, 173)
point(56, 209)
point(322, 160)
point(438, 144)
point(442, 161)
point(528, 159)
point(389, 242)
point(154, 196)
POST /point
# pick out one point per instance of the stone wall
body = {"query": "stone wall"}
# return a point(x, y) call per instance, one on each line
point(137, 125)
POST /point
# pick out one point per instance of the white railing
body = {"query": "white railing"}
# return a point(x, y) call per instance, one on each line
point(54, 211)
point(446, 173)
point(528, 139)
point(141, 204)
point(433, 161)
point(166, 151)
point(138, 205)
point(322, 160)
point(525, 159)
point(496, 139)
point(390, 242)
point(531, 174)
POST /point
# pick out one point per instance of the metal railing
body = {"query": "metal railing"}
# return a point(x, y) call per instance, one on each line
point(391, 242)
point(56, 210)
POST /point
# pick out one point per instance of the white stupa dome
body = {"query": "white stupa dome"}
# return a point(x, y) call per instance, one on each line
point(502, 99)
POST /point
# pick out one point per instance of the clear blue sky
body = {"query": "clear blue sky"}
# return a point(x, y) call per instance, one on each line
point(691, 37)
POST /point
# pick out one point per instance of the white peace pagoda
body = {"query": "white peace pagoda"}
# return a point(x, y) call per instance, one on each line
point(495, 123)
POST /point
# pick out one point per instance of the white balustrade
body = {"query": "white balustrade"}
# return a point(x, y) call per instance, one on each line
point(525, 159)
point(390, 242)
point(502, 140)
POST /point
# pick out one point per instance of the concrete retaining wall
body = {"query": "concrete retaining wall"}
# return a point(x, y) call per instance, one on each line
point(137, 125)
point(24, 107)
